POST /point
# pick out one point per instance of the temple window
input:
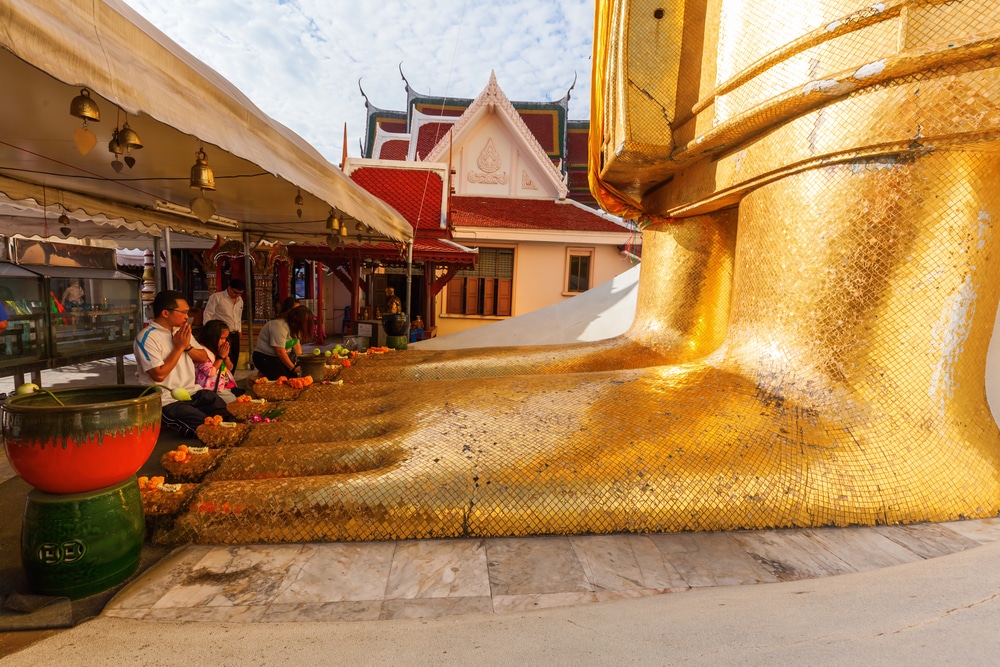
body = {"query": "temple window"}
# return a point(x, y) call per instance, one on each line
point(579, 270)
point(486, 289)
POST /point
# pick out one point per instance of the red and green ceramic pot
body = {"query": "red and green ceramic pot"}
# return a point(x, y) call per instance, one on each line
point(80, 544)
point(99, 436)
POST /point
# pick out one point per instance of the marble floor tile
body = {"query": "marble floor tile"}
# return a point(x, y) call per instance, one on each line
point(338, 572)
point(710, 559)
point(983, 531)
point(534, 601)
point(656, 571)
point(135, 614)
point(245, 614)
point(791, 554)
point(862, 548)
point(350, 610)
point(534, 565)
point(433, 607)
point(438, 569)
point(233, 576)
point(608, 561)
point(927, 540)
point(612, 596)
point(154, 583)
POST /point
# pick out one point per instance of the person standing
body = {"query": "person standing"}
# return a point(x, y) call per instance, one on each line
point(73, 296)
point(165, 354)
point(227, 306)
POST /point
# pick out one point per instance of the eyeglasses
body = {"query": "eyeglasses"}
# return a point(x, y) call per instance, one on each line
point(178, 310)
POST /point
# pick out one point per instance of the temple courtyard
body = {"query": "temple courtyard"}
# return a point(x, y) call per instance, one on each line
point(923, 594)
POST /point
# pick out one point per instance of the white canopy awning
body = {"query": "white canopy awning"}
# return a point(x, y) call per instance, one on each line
point(50, 49)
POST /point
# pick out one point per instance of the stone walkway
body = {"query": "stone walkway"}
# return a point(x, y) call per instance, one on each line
point(427, 578)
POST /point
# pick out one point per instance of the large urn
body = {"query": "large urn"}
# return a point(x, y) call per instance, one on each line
point(83, 523)
point(396, 324)
point(99, 436)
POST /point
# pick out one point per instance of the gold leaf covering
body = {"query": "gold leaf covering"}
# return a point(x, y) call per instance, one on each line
point(818, 189)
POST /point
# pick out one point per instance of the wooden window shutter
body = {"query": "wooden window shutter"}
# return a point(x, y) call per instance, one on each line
point(472, 296)
point(456, 298)
point(489, 296)
point(504, 287)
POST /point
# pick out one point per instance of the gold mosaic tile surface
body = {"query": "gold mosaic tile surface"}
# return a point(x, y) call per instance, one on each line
point(818, 292)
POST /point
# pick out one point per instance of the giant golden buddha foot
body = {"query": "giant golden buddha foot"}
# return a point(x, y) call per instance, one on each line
point(679, 317)
point(849, 389)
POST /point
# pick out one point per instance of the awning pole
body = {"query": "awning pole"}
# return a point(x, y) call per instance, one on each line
point(157, 265)
point(170, 259)
point(409, 277)
point(248, 304)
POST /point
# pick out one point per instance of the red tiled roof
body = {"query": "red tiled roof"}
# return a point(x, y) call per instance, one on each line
point(577, 150)
point(527, 214)
point(394, 149)
point(396, 126)
point(429, 136)
point(415, 193)
point(544, 125)
point(424, 250)
point(438, 110)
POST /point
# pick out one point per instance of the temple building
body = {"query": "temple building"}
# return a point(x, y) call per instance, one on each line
point(505, 180)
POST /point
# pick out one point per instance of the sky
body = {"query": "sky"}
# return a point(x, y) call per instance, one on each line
point(300, 61)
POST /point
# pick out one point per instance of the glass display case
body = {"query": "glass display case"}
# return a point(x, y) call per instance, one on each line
point(25, 339)
point(61, 315)
point(91, 310)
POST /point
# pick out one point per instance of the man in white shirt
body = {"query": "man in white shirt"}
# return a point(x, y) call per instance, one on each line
point(165, 353)
point(227, 306)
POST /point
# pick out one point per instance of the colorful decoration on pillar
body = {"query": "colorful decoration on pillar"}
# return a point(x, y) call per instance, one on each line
point(264, 261)
point(148, 291)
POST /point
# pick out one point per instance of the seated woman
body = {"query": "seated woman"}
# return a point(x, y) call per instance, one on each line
point(214, 373)
point(280, 341)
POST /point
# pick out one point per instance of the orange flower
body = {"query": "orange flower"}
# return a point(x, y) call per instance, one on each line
point(149, 483)
point(179, 456)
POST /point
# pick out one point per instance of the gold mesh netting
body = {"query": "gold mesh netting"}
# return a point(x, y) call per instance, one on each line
point(809, 348)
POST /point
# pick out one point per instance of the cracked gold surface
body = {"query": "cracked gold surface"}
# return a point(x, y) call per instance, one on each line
point(818, 293)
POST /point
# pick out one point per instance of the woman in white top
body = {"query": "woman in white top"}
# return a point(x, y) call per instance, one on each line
point(280, 341)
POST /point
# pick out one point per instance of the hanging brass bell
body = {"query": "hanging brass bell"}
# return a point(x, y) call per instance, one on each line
point(128, 139)
point(114, 146)
point(332, 223)
point(343, 230)
point(84, 107)
point(202, 176)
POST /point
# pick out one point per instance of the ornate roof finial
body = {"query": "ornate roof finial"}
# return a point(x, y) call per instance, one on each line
point(565, 100)
point(404, 77)
point(367, 102)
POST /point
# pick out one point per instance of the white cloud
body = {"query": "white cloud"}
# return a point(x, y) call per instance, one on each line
point(300, 60)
